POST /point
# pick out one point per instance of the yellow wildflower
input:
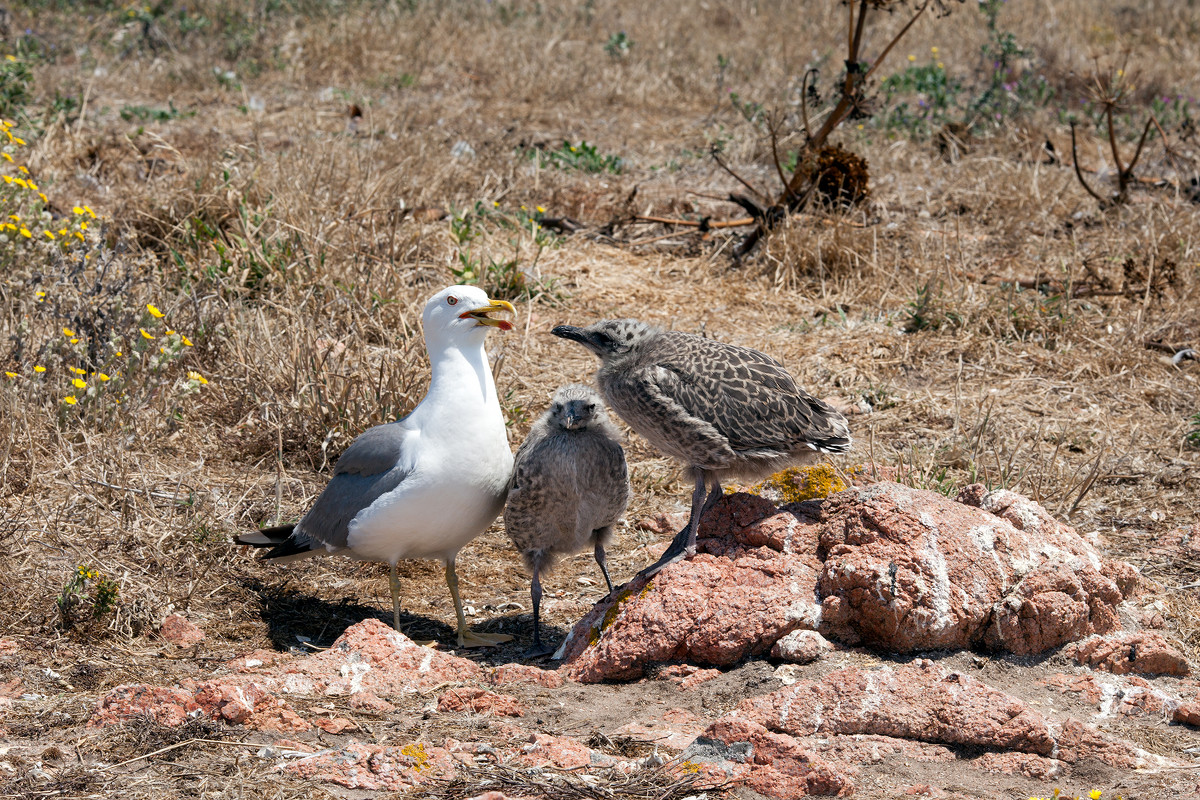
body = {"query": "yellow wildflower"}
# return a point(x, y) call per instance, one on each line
point(41, 296)
point(62, 231)
point(32, 185)
point(77, 210)
point(541, 210)
point(103, 378)
point(74, 341)
point(1094, 794)
point(24, 170)
point(49, 234)
point(77, 370)
point(144, 334)
point(70, 400)
point(43, 196)
point(88, 210)
point(912, 58)
point(79, 383)
point(26, 232)
point(154, 312)
point(15, 217)
point(11, 57)
point(7, 157)
point(196, 376)
point(68, 332)
point(933, 50)
point(170, 332)
point(10, 374)
point(39, 368)
point(185, 340)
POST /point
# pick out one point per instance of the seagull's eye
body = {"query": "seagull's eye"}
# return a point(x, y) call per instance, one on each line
point(591, 407)
point(452, 300)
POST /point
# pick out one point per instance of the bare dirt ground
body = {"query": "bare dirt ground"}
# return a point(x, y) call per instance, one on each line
point(286, 183)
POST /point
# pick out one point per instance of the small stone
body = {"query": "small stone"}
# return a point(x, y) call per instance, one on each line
point(179, 631)
point(801, 647)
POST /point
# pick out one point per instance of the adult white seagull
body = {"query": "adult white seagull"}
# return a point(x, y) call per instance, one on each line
point(425, 485)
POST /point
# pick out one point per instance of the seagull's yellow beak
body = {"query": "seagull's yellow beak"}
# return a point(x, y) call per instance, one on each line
point(480, 315)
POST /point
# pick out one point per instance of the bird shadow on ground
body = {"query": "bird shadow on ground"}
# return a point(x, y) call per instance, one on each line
point(295, 618)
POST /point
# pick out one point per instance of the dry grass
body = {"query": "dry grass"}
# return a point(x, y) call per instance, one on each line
point(293, 215)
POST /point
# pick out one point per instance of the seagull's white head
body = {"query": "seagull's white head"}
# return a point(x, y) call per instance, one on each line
point(576, 407)
point(460, 313)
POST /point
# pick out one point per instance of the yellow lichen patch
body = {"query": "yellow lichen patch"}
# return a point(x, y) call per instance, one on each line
point(797, 484)
point(610, 616)
point(416, 751)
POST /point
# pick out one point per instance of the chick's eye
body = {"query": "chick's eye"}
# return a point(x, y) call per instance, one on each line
point(452, 300)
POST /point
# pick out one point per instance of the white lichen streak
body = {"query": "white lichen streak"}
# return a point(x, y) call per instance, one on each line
point(873, 696)
point(789, 537)
point(425, 662)
point(936, 565)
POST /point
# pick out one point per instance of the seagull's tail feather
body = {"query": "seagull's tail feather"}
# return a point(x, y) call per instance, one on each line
point(282, 541)
point(836, 444)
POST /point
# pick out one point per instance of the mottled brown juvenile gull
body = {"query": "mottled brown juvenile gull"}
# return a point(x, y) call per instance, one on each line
point(425, 485)
point(721, 409)
point(569, 487)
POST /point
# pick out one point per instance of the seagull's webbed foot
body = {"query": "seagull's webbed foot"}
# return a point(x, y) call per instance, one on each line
point(538, 650)
point(468, 638)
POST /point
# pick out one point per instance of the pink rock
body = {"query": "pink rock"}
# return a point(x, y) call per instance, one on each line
point(480, 701)
point(1187, 713)
point(335, 725)
point(369, 701)
point(562, 752)
point(278, 719)
point(688, 676)
point(526, 674)
point(177, 630)
point(907, 570)
point(734, 599)
point(926, 703)
point(1027, 764)
point(232, 702)
point(775, 764)
point(874, 748)
point(369, 657)
point(11, 689)
point(1146, 652)
point(256, 660)
point(361, 766)
point(165, 706)
point(801, 647)
point(892, 567)
point(674, 730)
point(8, 647)
point(662, 524)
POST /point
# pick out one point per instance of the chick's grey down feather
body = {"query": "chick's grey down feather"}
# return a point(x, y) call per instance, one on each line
point(569, 485)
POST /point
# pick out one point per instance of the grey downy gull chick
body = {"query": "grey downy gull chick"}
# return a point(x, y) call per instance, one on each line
point(723, 410)
point(425, 485)
point(569, 487)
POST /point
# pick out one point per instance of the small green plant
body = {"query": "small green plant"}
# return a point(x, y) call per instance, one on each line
point(148, 114)
point(618, 45)
point(1193, 436)
point(1010, 87)
point(511, 277)
point(75, 594)
point(16, 81)
point(583, 156)
point(928, 310)
point(936, 97)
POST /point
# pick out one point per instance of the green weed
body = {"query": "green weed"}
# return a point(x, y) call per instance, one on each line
point(583, 157)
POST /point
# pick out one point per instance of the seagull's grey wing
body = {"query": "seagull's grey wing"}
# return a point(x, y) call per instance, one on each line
point(373, 465)
point(746, 395)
